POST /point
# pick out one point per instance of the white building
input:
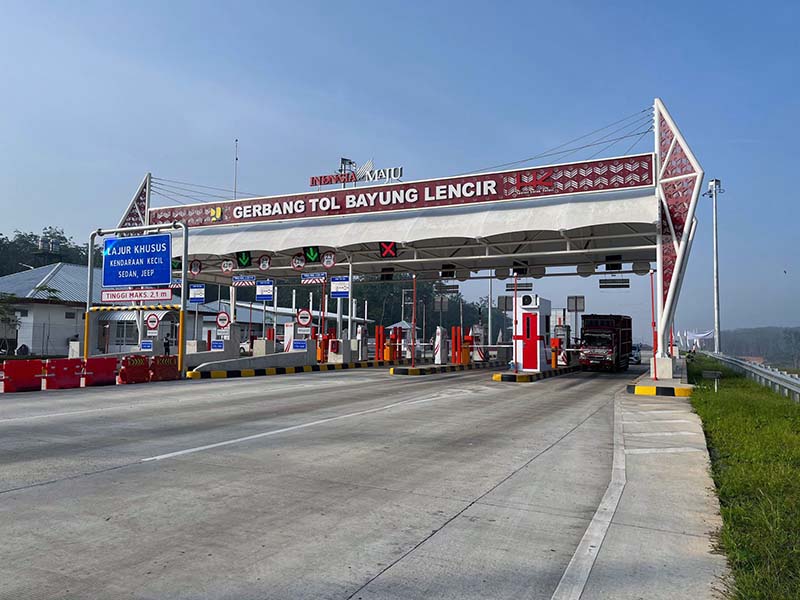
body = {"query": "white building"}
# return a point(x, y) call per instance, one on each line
point(49, 304)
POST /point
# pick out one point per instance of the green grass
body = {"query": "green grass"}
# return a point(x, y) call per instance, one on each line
point(754, 440)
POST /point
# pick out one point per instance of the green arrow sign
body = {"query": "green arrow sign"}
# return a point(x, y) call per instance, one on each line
point(311, 253)
point(176, 264)
point(243, 259)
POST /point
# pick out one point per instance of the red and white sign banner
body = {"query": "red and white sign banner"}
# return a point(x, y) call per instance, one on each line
point(146, 295)
point(536, 182)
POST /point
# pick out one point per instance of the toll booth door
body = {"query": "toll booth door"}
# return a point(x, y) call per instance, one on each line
point(530, 341)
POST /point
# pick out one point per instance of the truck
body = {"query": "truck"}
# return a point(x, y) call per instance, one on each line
point(606, 342)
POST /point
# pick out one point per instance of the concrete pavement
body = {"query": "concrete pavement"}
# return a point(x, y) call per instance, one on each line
point(334, 485)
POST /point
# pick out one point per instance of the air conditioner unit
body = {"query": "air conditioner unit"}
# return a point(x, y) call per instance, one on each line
point(530, 300)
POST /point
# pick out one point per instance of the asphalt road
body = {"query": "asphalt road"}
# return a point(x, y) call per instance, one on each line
point(347, 484)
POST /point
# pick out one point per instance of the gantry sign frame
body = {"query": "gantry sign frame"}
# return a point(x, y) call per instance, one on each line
point(132, 231)
point(637, 209)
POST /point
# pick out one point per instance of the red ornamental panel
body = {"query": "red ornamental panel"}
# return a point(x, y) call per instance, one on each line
point(136, 211)
point(537, 182)
point(677, 188)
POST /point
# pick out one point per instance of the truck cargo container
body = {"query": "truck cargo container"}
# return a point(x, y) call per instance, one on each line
point(606, 342)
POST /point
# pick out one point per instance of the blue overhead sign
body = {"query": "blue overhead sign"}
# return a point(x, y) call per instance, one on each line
point(137, 261)
point(340, 286)
point(197, 293)
point(265, 290)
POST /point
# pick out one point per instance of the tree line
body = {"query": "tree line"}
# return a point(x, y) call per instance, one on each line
point(21, 250)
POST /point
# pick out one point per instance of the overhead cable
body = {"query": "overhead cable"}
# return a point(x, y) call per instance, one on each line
point(551, 151)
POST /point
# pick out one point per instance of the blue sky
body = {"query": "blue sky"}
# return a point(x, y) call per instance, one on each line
point(93, 97)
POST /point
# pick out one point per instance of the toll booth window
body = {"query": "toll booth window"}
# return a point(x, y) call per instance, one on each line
point(127, 333)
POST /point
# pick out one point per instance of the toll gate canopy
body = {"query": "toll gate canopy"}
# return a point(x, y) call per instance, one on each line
point(637, 210)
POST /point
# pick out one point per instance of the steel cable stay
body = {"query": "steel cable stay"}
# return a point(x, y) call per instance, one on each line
point(177, 189)
point(613, 143)
point(167, 196)
point(197, 185)
point(195, 198)
point(551, 151)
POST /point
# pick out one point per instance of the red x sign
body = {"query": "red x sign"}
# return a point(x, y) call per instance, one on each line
point(388, 249)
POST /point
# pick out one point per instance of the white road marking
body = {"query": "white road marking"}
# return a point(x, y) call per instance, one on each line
point(63, 414)
point(575, 576)
point(264, 434)
point(661, 433)
point(140, 403)
point(662, 450)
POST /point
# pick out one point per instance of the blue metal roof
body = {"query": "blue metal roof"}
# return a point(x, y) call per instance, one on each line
point(68, 281)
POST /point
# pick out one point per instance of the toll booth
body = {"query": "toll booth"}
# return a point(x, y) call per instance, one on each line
point(294, 342)
point(339, 351)
point(360, 345)
point(561, 334)
point(265, 345)
point(480, 352)
point(440, 352)
point(532, 334)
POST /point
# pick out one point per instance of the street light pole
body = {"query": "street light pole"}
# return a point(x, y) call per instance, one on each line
point(714, 189)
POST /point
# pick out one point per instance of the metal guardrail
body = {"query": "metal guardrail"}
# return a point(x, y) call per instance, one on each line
point(778, 381)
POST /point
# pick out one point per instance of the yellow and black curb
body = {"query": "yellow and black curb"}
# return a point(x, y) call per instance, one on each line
point(660, 390)
point(432, 369)
point(236, 373)
point(530, 377)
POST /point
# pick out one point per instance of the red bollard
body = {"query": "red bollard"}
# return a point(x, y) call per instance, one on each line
point(380, 341)
point(100, 370)
point(63, 373)
point(22, 375)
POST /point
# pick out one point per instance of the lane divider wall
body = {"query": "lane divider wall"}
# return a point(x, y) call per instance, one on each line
point(531, 377)
point(433, 369)
point(659, 390)
point(236, 373)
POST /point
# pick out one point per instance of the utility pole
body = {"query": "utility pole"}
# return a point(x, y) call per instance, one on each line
point(714, 189)
point(235, 166)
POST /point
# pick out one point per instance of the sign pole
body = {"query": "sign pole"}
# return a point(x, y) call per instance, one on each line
point(275, 310)
point(350, 298)
point(264, 320)
point(514, 331)
point(339, 318)
point(489, 337)
point(323, 305)
point(89, 290)
point(195, 321)
point(184, 298)
point(414, 323)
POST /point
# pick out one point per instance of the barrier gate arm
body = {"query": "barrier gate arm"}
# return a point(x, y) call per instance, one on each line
point(184, 284)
